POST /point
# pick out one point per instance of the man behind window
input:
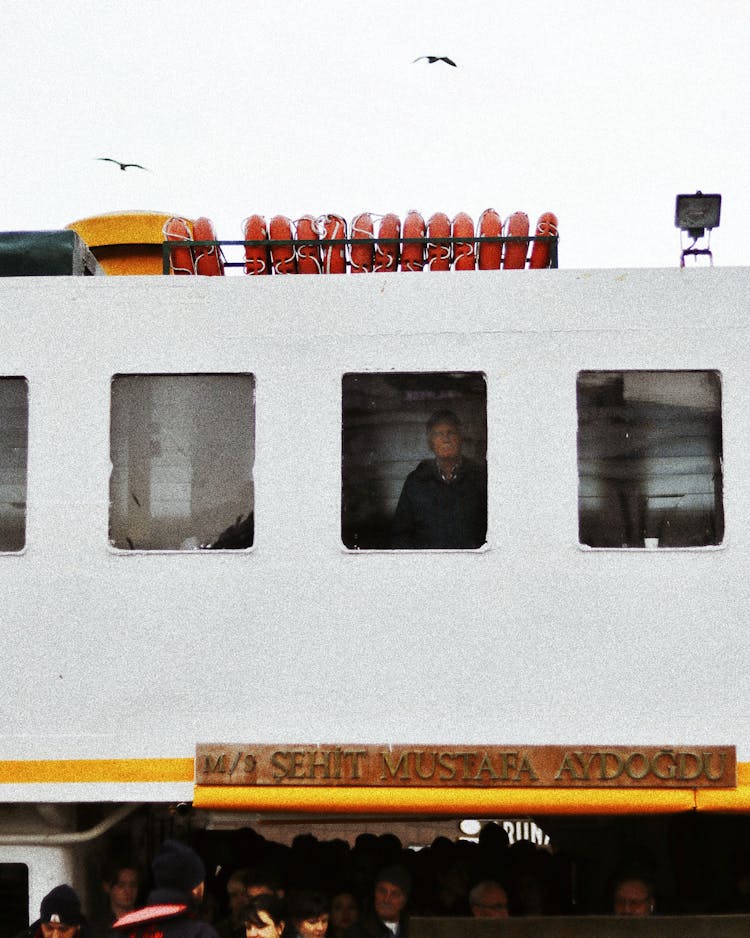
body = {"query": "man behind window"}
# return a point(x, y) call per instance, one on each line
point(443, 503)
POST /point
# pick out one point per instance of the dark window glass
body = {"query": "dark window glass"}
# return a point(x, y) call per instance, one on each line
point(182, 450)
point(14, 898)
point(649, 458)
point(413, 469)
point(14, 431)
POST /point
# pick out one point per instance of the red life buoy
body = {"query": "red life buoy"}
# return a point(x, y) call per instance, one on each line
point(308, 255)
point(208, 259)
point(256, 255)
point(334, 255)
point(489, 254)
point(463, 251)
point(363, 252)
point(546, 226)
point(282, 255)
point(514, 256)
point(180, 259)
point(438, 252)
point(386, 250)
point(412, 255)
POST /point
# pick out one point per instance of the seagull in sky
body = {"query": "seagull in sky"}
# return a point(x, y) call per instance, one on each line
point(436, 58)
point(123, 166)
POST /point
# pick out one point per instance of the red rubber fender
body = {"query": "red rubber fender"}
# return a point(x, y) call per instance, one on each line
point(208, 259)
point(386, 254)
point(256, 255)
point(514, 256)
point(308, 255)
point(180, 259)
point(282, 255)
point(438, 252)
point(463, 251)
point(412, 255)
point(334, 255)
point(362, 253)
point(540, 250)
point(489, 255)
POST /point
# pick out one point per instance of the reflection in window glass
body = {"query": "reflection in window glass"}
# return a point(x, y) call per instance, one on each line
point(649, 458)
point(413, 470)
point(14, 431)
point(182, 450)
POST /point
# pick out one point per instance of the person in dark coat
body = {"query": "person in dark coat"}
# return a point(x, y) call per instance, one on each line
point(120, 883)
point(171, 907)
point(60, 916)
point(388, 917)
point(443, 503)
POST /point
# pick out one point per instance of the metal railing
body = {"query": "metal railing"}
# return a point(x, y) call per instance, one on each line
point(375, 242)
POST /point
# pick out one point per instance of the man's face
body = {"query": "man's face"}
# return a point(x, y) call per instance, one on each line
point(445, 440)
point(344, 911)
point(390, 899)
point(632, 897)
point(258, 890)
point(493, 903)
point(238, 897)
point(57, 930)
point(123, 891)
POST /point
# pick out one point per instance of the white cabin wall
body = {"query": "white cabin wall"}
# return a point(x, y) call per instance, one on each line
point(47, 866)
point(532, 640)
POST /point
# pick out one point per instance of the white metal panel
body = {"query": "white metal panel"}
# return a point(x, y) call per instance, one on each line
point(532, 640)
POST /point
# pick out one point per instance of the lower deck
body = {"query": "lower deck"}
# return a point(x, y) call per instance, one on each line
point(550, 865)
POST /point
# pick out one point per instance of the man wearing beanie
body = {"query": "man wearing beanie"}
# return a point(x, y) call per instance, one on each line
point(388, 918)
point(170, 910)
point(60, 916)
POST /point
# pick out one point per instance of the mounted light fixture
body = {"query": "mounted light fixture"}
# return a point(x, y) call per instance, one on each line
point(694, 214)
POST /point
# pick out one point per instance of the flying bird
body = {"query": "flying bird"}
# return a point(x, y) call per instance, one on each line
point(436, 58)
point(123, 166)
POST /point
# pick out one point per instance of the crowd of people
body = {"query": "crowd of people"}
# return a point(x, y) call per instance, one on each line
point(327, 889)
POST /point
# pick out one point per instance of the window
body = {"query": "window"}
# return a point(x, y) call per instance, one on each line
point(14, 432)
point(182, 450)
point(413, 467)
point(14, 898)
point(649, 458)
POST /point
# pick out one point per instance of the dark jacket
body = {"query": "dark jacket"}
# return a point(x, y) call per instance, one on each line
point(101, 926)
point(167, 914)
point(372, 927)
point(433, 514)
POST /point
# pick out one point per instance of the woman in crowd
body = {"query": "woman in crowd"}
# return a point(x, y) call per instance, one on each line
point(308, 913)
point(345, 911)
point(265, 917)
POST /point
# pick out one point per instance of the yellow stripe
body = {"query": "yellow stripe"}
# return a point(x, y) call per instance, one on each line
point(383, 801)
point(443, 801)
point(727, 800)
point(62, 771)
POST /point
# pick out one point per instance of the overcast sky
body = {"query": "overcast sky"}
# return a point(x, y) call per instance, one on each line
point(599, 110)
